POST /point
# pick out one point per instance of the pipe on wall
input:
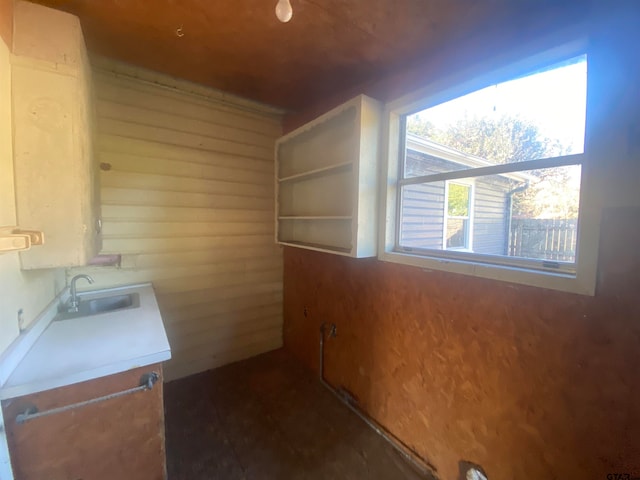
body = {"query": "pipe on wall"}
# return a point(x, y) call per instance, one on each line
point(421, 465)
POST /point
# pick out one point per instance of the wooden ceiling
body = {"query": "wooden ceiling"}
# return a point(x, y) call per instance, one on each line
point(239, 46)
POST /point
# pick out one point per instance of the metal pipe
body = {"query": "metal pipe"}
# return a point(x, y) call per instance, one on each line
point(146, 383)
point(412, 457)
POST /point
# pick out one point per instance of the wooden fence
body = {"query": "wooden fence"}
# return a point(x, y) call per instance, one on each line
point(544, 239)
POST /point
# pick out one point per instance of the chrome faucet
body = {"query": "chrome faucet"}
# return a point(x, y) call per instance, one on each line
point(73, 299)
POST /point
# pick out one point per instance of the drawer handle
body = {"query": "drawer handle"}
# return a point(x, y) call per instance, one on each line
point(147, 382)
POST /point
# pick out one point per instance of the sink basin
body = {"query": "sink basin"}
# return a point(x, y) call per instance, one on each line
point(95, 306)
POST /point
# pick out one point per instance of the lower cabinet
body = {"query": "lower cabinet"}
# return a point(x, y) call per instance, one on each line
point(115, 438)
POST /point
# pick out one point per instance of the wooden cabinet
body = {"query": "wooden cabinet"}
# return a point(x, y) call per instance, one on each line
point(117, 438)
point(327, 181)
point(56, 180)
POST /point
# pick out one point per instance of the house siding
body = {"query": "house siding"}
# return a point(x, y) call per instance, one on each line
point(423, 208)
point(490, 219)
point(423, 216)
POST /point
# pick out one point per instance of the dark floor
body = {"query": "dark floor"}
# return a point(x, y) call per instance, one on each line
point(269, 418)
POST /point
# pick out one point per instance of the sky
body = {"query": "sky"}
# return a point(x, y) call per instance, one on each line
point(555, 100)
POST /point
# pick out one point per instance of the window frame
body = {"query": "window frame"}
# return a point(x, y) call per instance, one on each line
point(579, 279)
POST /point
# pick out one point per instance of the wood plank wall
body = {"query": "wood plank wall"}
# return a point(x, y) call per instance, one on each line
point(188, 201)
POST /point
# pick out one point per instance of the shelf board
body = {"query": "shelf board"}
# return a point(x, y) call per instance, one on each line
point(319, 217)
point(317, 172)
point(316, 246)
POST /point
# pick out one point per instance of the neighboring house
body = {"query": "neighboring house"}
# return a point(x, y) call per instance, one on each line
point(467, 214)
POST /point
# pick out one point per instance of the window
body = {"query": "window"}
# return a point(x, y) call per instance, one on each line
point(457, 225)
point(486, 178)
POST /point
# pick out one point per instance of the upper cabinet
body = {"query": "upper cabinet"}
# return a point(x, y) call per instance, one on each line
point(56, 181)
point(327, 180)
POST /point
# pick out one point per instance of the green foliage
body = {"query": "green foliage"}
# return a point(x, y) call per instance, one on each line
point(418, 125)
point(506, 139)
point(458, 200)
point(497, 139)
point(500, 140)
point(555, 194)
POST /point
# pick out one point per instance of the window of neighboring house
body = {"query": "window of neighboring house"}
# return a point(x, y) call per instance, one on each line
point(457, 223)
point(489, 182)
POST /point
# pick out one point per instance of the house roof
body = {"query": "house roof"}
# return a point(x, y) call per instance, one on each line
point(429, 147)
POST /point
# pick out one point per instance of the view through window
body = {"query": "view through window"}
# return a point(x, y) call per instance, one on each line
point(497, 172)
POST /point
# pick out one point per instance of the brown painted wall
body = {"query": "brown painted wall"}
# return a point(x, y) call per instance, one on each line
point(527, 382)
point(6, 22)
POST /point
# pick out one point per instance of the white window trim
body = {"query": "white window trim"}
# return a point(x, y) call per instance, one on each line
point(467, 183)
point(583, 281)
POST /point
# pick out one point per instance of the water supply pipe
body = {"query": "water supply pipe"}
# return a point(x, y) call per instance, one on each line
point(420, 464)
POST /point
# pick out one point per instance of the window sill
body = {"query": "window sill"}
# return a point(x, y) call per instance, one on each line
point(579, 284)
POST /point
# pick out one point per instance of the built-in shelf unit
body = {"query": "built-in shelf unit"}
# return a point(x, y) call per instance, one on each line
point(327, 180)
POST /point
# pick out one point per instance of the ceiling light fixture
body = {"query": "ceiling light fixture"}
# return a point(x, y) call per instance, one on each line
point(284, 12)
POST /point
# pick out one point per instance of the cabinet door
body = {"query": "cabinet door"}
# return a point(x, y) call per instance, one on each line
point(120, 438)
point(54, 174)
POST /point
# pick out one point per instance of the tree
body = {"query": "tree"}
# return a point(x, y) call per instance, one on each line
point(418, 125)
point(499, 140)
point(511, 139)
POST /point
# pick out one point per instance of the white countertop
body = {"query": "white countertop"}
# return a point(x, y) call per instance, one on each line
point(85, 348)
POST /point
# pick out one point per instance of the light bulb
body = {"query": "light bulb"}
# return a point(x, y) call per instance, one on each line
point(284, 12)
